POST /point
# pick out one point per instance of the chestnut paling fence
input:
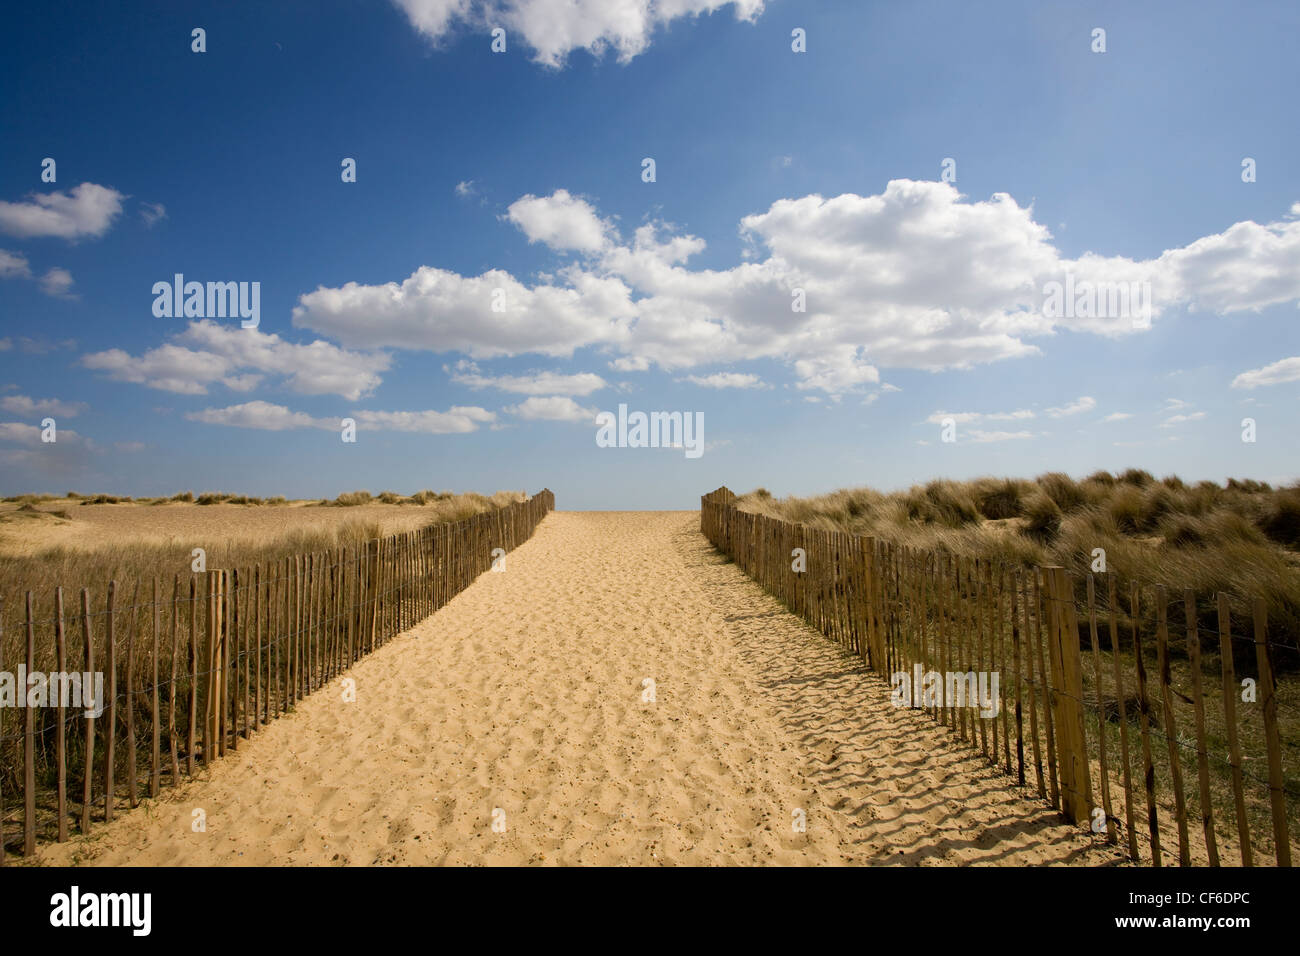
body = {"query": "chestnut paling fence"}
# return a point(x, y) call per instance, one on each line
point(1151, 716)
point(187, 676)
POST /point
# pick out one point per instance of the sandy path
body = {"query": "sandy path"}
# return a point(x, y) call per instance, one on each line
point(525, 694)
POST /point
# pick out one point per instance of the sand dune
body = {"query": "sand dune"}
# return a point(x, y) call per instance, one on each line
point(525, 695)
point(68, 524)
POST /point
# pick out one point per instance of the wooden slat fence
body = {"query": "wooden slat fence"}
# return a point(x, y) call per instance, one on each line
point(1151, 717)
point(186, 678)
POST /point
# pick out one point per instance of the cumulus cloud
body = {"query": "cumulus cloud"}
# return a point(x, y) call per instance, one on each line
point(1117, 416)
point(534, 383)
point(1284, 370)
point(1084, 403)
point(969, 418)
point(555, 408)
point(14, 265)
point(267, 416)
point(21, 447)
point(23, 405)
point(727, 380)
point(914, 277)
point(207, 353)
point(260, 415)
point(87, 210)
point(152, 213)
point(560, 221)
point(441, 311)
point(459, 419)
point(57, 282)
point(1173, 420)
point(982, 437)
point(555, 28)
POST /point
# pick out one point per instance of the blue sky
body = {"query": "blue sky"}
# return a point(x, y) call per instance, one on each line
point(521, 171)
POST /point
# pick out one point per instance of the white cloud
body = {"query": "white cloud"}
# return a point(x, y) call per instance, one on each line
point(560, 221)
point(914, 277)
point(552, 409)
point(555, 28)
point(465, 188)
point(57, 282)
point(534, 383)
point(459, 419)
point(1084, 403)
point(1117, 416)
point(444, 312)
point(260, 415)
point(982, 436)
point(23, 434)
point(13, 265)
point(207, 353)
point(87, 210)
point(152, 213)
point(841, 369)
point(22, 405)
point(969, 418)
point(19, 432)
point(1284, 370)
point(266, 416)
point(727, 380)
point(1173, 420)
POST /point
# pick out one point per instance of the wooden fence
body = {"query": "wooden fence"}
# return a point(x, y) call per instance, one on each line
point(1163, 744)
point(230, 650)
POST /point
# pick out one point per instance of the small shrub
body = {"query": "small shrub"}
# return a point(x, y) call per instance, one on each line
point(1280, 520)
point(1062, 489)
point(353, 498)
point(1249, 485)
point(1042, 518)
point(998, 499)
point(1183, 531)
point(1136, 477)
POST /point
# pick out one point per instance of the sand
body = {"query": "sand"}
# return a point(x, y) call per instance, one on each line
point(525, 696)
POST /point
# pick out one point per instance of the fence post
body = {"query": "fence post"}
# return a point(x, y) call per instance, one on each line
point(1067, 697)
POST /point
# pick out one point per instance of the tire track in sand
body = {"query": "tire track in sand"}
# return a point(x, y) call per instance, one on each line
point(525, 694)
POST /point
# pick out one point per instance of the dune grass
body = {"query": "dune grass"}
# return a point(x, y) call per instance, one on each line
point(136, 564)
point(1239, 538)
